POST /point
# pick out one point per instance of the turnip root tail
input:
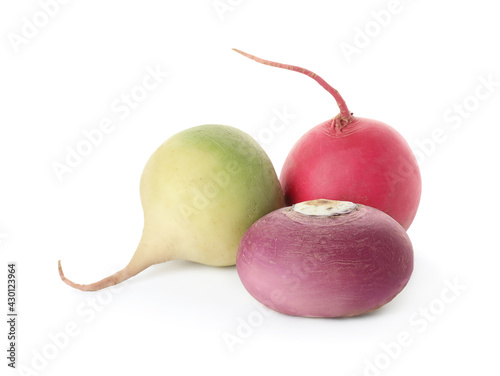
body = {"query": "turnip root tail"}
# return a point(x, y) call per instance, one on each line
point(138, 263)
point(342, 119)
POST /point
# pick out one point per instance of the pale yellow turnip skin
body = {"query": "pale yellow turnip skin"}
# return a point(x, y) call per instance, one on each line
point(200, 195)
point(200, 191)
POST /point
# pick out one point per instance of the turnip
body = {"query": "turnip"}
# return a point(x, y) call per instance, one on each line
point(352, 159)
point(200, 191)
point(325, 258)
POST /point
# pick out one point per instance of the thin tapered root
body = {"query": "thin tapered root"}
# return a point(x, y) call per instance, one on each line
point(112, 280)
point(143, 258)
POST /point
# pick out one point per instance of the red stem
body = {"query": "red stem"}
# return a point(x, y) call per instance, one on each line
point(345, 116)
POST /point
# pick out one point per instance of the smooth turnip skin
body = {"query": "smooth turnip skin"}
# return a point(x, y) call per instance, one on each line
point(367, 162)
point(325, 266)
point(203, 188)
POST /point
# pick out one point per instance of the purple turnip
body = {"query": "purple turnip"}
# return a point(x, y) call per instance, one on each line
point(325, 258)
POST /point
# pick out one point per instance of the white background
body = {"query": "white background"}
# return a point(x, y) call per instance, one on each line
point(426, 60)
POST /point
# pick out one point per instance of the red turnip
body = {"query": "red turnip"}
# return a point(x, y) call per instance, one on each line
point(325, 258)
point(353, 159)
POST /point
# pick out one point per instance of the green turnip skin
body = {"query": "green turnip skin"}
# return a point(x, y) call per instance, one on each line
point(200, 191)
point(335, 259)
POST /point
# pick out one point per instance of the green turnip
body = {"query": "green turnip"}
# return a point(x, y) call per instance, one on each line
point(200, 191)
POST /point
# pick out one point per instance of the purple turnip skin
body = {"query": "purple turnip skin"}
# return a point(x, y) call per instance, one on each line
point(338, 265)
